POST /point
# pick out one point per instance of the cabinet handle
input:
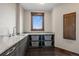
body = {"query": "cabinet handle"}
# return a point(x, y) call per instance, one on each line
point(10, 51)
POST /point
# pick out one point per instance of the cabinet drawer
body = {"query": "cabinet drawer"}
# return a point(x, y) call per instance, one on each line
point(47, 37)
point(34, 37)
point(48, 43)
point(35, 44)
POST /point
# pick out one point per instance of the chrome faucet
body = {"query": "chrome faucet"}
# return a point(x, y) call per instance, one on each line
point(14, 31)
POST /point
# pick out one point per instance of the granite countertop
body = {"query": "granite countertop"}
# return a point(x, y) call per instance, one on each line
point(7, 42)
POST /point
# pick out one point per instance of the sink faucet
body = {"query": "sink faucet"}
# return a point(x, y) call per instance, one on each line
point(14, 31)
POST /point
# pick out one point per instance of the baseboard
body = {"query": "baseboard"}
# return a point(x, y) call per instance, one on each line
point(66, 51)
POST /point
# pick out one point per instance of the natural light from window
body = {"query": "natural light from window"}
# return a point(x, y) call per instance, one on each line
point(37, 22)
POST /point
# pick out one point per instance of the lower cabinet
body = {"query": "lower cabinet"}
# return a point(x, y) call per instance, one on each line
point(18, 49)
point(21, 49)
point(42, 41)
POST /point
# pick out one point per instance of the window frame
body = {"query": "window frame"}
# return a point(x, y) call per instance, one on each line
point(37, 14)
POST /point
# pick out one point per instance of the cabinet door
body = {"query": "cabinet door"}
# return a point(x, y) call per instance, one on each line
point(23, 50)
point(23, 47)
point(17, 50)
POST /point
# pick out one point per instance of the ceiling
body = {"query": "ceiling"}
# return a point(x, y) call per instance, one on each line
point(38, 6)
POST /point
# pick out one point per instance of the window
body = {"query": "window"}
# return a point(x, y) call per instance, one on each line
point(37, 21)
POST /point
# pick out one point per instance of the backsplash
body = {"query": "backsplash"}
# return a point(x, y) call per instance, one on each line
point(4, 31)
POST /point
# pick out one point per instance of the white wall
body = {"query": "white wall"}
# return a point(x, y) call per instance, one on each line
point(19, 19)
point(47, 22)
point(7, 18)
point(71, 45)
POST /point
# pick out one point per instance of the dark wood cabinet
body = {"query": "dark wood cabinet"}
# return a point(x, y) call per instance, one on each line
point(23, 47)
point(18, 49)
